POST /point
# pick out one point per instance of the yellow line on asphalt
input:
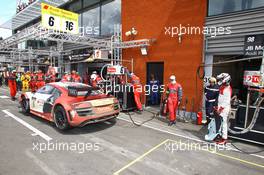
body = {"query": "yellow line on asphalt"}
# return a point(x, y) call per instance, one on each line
point(240, 160)
point(141, 157)
point(230, 157)
point(157, 146)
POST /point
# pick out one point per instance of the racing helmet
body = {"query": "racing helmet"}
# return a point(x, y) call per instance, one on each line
point(223, 78)
point(173, 79)
point(130, 74)
point(93, 77)
point(94, 72)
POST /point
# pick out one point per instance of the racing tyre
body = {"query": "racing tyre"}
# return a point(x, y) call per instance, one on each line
point(60, 118)
point(25, 106)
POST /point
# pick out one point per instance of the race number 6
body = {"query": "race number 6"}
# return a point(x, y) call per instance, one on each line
point(51, 21)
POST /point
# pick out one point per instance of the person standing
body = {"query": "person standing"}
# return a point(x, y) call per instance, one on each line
point(66, 77)
point(19, 82)
point(154, 90)
point(137, 90)
point(95, 79)
point(12, 84)
point(75, 77)
point(33, 81)
point(174, 97)
point(25, 78)
point(211, 98)
point(224, 106)
point(40, 79)
point(1, 79)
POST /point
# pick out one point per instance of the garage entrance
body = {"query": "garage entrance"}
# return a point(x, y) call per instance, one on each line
point(155, 69)
point(236, 70)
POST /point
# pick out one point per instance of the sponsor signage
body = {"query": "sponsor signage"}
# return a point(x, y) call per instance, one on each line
point(59, 19)
point(254, 45)
point(253, 79)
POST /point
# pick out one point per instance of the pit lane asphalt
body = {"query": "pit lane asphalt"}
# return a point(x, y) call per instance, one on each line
point(123, 149)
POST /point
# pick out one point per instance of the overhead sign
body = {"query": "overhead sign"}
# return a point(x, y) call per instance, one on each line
point(253, 79)
point(59, 19)
point(99, 54)
point(254, 45)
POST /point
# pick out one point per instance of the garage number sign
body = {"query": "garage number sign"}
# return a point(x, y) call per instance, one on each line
point(59, 19)
point(254, 45)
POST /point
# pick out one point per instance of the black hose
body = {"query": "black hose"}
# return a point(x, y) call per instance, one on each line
point(142, 123)
point(246, 152)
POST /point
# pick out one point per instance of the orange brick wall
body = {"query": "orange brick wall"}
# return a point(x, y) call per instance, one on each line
point(150, 17)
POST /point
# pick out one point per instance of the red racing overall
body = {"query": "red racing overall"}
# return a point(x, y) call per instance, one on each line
point(12, 85)
point(137, 91)
point(173, 99)
point(40, 80)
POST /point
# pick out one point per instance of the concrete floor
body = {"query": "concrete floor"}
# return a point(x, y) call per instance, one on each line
point(115, 148)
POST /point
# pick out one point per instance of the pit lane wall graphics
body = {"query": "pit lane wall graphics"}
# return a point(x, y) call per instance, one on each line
point(59, 19)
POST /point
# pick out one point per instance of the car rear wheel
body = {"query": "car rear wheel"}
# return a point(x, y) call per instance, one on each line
point(60, 118)
point(25, 106)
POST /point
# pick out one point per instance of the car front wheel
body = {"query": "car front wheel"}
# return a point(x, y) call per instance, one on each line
point(25, 106)
point(60, 118)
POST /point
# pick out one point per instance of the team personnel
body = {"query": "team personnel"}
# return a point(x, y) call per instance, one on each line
point(86, 78)
point(137, 90)
point(33, 81)
point(224, 106)
point(18, 81)
point(95, 79)
point(40, 79)
point(12, 84)
point(211, 98)
point(174, 96)
point(75, 77)
point(51, 75)
point(154, 93)
point(1, 78)
point(66, 77)
point(25, 78)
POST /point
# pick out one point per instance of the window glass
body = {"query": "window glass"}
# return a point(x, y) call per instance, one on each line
point(55, 95)
point(91, 21)
point(89, 3)
point(111, 15)
point(216, 7)
point(45, 90)
point(75, 6)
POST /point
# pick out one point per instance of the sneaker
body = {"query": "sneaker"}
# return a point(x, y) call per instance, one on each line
point(222, 142)
point(204, 121)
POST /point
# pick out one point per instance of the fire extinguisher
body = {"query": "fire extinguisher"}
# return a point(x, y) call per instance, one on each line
point(199, 117)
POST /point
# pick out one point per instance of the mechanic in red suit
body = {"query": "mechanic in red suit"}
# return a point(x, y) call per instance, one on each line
point(86, 78)
point(51, 75)
point(137, 89)
point(40, 79)
point(12, 84)
point(174, 96)
point(75, 77)
point(33, 82)
point(95, 79)
point(66, 77)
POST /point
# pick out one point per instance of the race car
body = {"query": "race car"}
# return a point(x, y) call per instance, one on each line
point(70, 104)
